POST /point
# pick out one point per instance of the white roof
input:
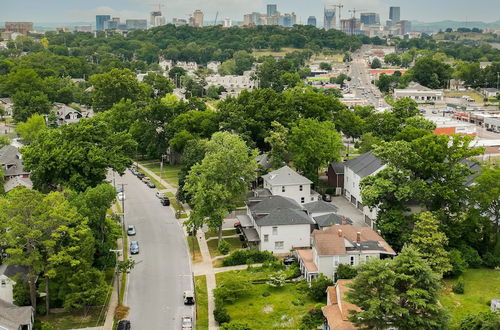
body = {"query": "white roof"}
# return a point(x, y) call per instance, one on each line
point(285, 176)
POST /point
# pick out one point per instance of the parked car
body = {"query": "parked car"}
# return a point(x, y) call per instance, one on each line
point(187, 323)
point(123, 325)
point(237, 224)
point(134, 247)
point(165, 201)
point(121, 196)
point(119, 189)
point(151, 184)
point(289, 260)
point(131, 230)
point(140, 175)
point(188, 298)
point(146, 179)
point(159, 194)
point(327, 198)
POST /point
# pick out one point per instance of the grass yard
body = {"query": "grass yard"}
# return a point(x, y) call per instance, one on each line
point(283, 308)
point(176, 205)
point(194, 249)
point(169, 172)
point(481, 285)
point(228, 232)
point(234, 242)
point(201, 302)
point(62, 321)
point(267, 52)
point(475, 96)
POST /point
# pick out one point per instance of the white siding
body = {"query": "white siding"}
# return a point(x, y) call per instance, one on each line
point(6, 290)
point(291, 191)
point(326, 263)
point(292, 236)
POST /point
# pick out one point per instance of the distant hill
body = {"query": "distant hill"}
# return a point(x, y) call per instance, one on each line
point(442, 25)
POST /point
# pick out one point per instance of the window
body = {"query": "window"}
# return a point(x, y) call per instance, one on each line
point(278, 245)
point(282, 188)
point(275, 230)
point(300, 187)
point(352, 260)
point(336, 261)
point(367, 258)
point(302, 200)
point(3, 283)
point(266, 238)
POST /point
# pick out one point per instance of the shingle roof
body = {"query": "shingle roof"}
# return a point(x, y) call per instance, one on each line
point(12, 316)
point(320, 207)
point(266, 204)
point(285, 217)
point(9, 154)
point(364, 165)
point(12, 270)
point(337, 314)
point(285, 176)
point(338, 167)
point(331, 219)
point(329, 242)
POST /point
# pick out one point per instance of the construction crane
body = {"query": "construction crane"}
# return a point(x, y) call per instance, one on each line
point(354, 11)
point(352, 24)
point(339, 7)
point(216, 16)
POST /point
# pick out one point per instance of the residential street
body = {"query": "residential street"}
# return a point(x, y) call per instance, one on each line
point(163, 271)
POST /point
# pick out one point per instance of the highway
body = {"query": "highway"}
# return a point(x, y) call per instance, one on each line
point(163, 270)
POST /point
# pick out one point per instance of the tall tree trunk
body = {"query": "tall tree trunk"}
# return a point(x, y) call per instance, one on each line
point(32, 284)
point(47, 303)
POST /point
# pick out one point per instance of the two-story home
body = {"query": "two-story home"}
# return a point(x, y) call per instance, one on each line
point(354, 171)
point(288, 183)
point(336, 311)
point(13, 317)
point(277, 224)
point(341, 244)
point(13, 170)
point(8, 274)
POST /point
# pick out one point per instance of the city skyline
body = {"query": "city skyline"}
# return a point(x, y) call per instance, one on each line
point(85, 11)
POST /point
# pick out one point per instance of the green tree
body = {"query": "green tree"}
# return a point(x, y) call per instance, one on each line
point(27, 104)
point(277, 139)
point(486, 194)
point(392, 59)
point(317, 290)
point(402, 292)
point(78, 155)
point(220, 181)
point(87, 287)
point(160, 85)
point(325, 66)
point(431, 243)
point(111, 87)
point(314, 144)
point(349, 123)
point(30, 130)
point(482, 321)
point(376, 63)
point(4, 141)
point(194, 152)
point(431, 73)
point(405, 108)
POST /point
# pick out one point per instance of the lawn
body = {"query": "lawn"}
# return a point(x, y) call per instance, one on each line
point(234, 242)
point(481, 285)
point(176, 205)
point(61, 321)
point(201, 302)
point(228, 232)
point(283, 308)
point(194, 249)
point(475, 96)
point(267, 52)
point(169, 172)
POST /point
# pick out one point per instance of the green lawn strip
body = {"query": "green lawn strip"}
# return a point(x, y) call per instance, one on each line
point(175, 204)
point(229, 232)
point(194, 249)
point(201, 302)
point(481, 285)
point(282, 309)
point(234, 242)
point(74, 320)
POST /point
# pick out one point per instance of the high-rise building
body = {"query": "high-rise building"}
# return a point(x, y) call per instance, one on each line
point(197, 19)
point(350, 26)
point(395, 14)
point(288, 20)
point(404, 27)
point(369, 18)
point(159, 21)
point(99, 21)
point(311, 21)
point(227, 22)
point(272, 10)
point(111, 25)
point(19, 27)
point(152, 17)
point(136, 24)
point(329, 19)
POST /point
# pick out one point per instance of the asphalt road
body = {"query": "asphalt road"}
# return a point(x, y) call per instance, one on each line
point(163, 270)
point(361, 82)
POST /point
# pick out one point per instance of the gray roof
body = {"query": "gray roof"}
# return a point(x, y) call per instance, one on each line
point(9, 154)
point(331, 219)
point(338, 167)
point(265, 205)
point(320, 207)
point(285, 176)
point(264, 161)
point(12, 270)
point(251, 234)
point(475, 168)
point(12, 316)
point(285, 217)
point(364, 165)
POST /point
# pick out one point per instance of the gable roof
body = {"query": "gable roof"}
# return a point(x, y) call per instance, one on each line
point(266, 204)
point(12, 270)
point(12, 316)
point(285, 217)
point(9, 155)
point(337, 310)
point(341, 240)
point(285, 176)
point(337, 167)
point(320, 207)
point(331, 219)
point(364, 165)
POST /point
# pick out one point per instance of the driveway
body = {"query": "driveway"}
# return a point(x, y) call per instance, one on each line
point(349, 211)
point(163, 269)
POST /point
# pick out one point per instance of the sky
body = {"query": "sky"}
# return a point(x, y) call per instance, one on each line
point(67, 11)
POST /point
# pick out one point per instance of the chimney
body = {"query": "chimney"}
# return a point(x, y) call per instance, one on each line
point(340, 232)
point(358, 237)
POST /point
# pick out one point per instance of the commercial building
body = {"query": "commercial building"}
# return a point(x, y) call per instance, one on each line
point(287, 20)
point(272, 10)
point(136, 24)
point(99, 21)
point(395, 14)
point(370, 18)
point(420, 93)
point(152, 17)
point(329, 21)
point(311, 21)
point(197, 18)
point(112, 24)
point(19, 27)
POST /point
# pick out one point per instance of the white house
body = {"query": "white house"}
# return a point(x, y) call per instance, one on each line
point(66, 114)
point(214, 66)
point(277, 224)
point(7, 280)
point(7, 105)
point(288, 183)
point(12, 166)
point(354, 171)
point(341, 244)
point(13, 317)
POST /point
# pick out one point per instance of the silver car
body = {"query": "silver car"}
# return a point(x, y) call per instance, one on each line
point(131, 230)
